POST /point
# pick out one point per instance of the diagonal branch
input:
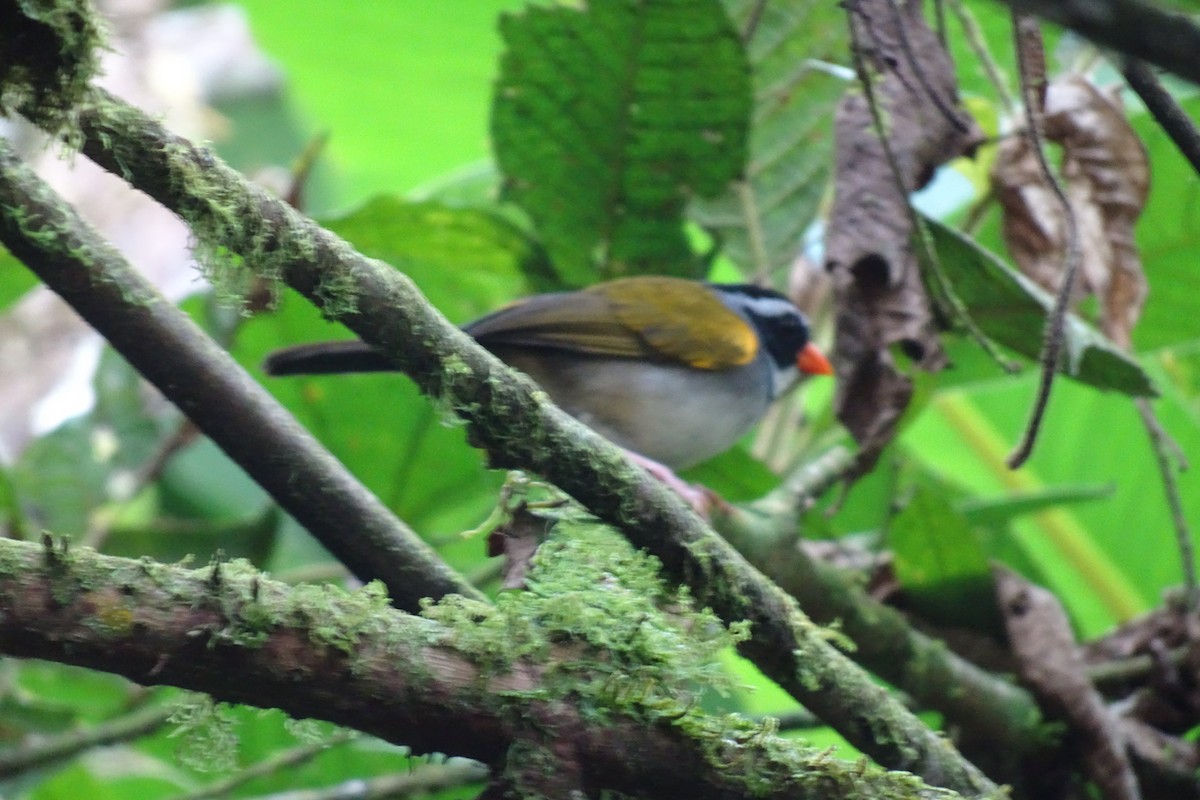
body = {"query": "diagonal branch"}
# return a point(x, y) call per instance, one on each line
point(517, 426)
point(220, 397)
point(998, 724)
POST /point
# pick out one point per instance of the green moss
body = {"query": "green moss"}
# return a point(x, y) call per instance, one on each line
point(48, 59)
point(205, 730)
point(447, 397)
point(235, 233)
point(494, 637)
point(340, 620)
point(337, 292)
point(599, 619)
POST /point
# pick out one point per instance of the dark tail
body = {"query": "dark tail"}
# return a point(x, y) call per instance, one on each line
point(327, 358)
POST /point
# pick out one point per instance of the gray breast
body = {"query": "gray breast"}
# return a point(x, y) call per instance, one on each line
point(672, 414)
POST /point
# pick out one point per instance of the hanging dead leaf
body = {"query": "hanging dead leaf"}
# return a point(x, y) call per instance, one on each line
point(1105, 175)
point(878, 292)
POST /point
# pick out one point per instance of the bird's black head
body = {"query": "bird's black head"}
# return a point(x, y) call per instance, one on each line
point(782, 328)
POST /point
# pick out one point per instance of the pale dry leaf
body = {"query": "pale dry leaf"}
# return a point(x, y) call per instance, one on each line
point(1105, 175)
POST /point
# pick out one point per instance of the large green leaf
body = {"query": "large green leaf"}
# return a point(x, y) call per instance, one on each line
point(940, 561)
point(458, 240)
point(609, 118)
point(760, 220)
point(1011, 309)
point(735, 475)
point(1168, 237)
point(403, 88)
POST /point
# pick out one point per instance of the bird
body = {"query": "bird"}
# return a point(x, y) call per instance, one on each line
point(672, 370)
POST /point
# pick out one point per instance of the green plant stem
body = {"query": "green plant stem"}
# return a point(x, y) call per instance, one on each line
point(518, 427)
point(171, 351)
point(37, 754)
point(422, 780)
point(278, 762)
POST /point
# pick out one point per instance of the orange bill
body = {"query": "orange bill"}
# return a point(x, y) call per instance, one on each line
point(813, 361)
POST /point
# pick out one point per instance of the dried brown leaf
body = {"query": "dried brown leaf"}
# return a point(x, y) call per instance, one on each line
point(880, 299)
point(1106, 179)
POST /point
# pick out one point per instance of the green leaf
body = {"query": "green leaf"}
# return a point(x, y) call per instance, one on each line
point(174, 539)
point(1011, 309)
point(761, 220)
point(608, 119)
point(1001, 510)
point(940, 561)
point(63, 477)
point(735, 475)
point(15, 279)
point(457, 240)
point(402, 87)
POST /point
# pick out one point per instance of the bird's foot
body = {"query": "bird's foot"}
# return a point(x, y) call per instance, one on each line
point(702, 499)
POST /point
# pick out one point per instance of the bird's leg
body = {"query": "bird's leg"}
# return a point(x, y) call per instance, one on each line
point(700, 498)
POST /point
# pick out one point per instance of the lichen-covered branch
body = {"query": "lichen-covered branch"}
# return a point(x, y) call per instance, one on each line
point(516, 425)
point(354, 660)
point(232, 409)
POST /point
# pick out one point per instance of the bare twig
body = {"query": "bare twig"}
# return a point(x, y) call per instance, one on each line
point(1166, 111)
point(184, 434)
point(1164, 447)
point(1118, 673)
point(209, 386)
point(37, 754)
point(753, 19)
point(975, 40)
point(944, 107)
point(1032, 73)
point(422, 780)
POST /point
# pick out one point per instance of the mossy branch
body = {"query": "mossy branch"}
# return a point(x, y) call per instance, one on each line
point(354, 660)
point(514, 422)
point(998, 724)
point(222, 399)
